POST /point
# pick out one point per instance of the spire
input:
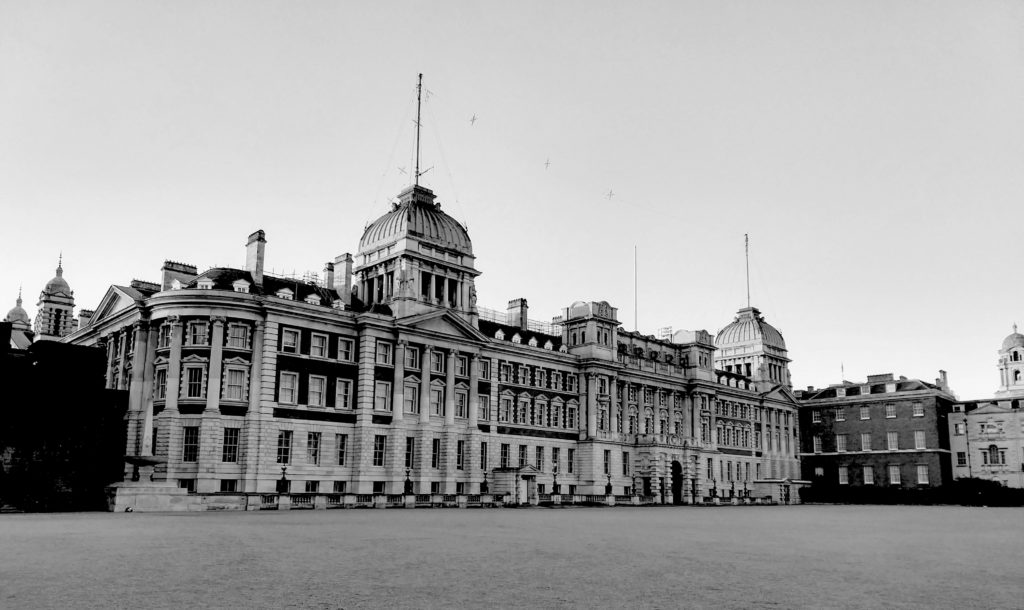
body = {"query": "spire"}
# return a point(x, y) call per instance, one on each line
point(60, 264)
point(18, 302)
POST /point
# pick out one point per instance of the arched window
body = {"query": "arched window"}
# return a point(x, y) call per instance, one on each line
point(1016, 376)
point(632, 420)
point(648, 421)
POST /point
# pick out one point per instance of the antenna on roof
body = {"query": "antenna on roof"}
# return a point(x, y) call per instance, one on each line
point(419, 97)
point(746, 247)
point(636, 326)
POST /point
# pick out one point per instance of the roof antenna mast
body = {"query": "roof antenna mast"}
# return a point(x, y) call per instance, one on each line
point(419, 97)
point(746, 247)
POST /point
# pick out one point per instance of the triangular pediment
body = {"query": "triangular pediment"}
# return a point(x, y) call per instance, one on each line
point(114, 302)
point(780, 393)
point(990, 409)
point(444, 323)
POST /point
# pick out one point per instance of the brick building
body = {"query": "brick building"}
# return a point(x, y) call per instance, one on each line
point(882, 432)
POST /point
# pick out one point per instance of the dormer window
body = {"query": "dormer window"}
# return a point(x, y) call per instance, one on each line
point(285, 293)
point(500, 335)
point(240, 286)
point(532, 342)
point(548, 345)
point(312, 299)
point(563, 349)
point(516, 338)
point(205, 284)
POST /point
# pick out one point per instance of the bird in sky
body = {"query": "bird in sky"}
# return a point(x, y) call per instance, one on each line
point(401, 170)
point(472, 120)
point(547, 163)
point(609, 195)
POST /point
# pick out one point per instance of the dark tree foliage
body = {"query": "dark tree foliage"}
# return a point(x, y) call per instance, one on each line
point(61, 433)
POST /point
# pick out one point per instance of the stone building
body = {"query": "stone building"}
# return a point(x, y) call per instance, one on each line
point(385, 372)
point(882, 432)
point(987, 436)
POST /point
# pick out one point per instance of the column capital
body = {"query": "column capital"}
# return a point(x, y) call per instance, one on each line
point(141, 325)
point(218, 319)
point(173, 320)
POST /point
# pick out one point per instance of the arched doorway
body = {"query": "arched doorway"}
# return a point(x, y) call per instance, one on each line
point(677, 482)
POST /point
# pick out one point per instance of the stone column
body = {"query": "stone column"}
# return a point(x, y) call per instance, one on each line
point(253, 421)
point(216, 365)
point(449, 391)
point(122, 367)
point(111, 341)
point(425, 385)
point(591, 405)
point(613, 403)
point(670, 398)
point(147, 391)
point(398, 385)
point(474, 390)
point(173, 388)
point(135, 397)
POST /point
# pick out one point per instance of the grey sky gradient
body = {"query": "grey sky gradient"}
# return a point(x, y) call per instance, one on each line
point(872, 150)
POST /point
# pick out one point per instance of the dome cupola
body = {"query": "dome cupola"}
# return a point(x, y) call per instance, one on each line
point(416, 216)
point(18, 317)
point(1014, 339)
point(752, 347)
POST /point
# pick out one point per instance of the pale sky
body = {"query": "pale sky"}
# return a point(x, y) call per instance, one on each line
point(872, 150)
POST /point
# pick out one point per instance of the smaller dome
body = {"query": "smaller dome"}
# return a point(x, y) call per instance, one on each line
point(749, 326)
point(58, 285)
point(18, 316)
point(1015, 339)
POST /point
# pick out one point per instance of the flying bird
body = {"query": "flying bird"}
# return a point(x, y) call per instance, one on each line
point(401, 170)
point(547, 163)
point(472, 120)
point(609, 195)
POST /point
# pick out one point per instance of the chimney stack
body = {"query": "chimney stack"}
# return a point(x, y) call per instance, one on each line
point(328, 274)
point(254, 255)
point(942, 381)
point(342, 283)
point(517, 311)
point(176, 271)
point(84, 317)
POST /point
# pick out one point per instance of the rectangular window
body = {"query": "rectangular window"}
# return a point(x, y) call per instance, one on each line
point(284, 447)
point(412, 358)
point(317, 389)
point(343, 394)
point(235, 387)
point(865, 441)
point(230, 450)
point(959, 429)
point(411, 398)
point(341, 441)
point(484, 407)
point(817, 443)
point(607, 461)
point(894, 475)
point(840, 413)
point(816, 416)
point(869, 475)
point(164, 338)
point(504, 455)
point(892, 441)
point(437, 401)
point(379, 446)
point(313, 448)
point(197, 334)
point(522, 455)
point(918, 409)
point(485, 368)
point(890, 410)
point(346, 350)
point(410, 452)
point(435, 453)
point(290, 341)
point(312, 487)
point(160, 384)
point(462, 366)
point(865, 412)
point(840, 442)
point(190, 444)
point(384, 352)
point(625, 463)
point(435, 487)
point(571, 457)
point(961, 458)
point(194, 382)
point(460, 455)
point(844, 476)
point(340, 487)
point(238, 336)
point(540, 458)
point(228, 486)
point(461, 403)
point(922, 474)
point(436, 362)
point(919, 439)
point(289, 389)
point(382, 396)
point(556, 459)
point(483, 456)
point(318, 346)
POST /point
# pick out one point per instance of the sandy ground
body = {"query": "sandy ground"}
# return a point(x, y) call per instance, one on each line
point(624, 557)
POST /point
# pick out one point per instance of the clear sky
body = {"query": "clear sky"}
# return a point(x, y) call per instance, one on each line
point(873, 150)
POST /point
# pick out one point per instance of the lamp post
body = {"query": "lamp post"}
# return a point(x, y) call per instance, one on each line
point(282, 483)
point(554, 482)
point(483, 486)
point(635, 484)
point(608, 487)
point(408, 482)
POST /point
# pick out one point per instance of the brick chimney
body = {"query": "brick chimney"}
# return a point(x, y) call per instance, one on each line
point(176, 271)
point(517, 311)
point(342, 275)
point(254, 250)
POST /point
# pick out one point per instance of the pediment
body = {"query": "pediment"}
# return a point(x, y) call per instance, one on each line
point(780, 393)
point(444, 323)
point(990, 409)
point(114, 302)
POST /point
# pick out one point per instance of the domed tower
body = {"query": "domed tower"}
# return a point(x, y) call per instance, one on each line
point(55, 313)
point(752, 347)
point(18, 317)
point(417, 258)
point(1011, 365)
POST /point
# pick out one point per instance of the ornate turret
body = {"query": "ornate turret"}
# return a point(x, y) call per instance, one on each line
point(1011, 365)
point(752, 347)
point(55, 314)
point(18, 317)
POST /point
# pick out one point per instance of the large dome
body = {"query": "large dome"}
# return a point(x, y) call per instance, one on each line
point(417, 216)
point(749, 326)
point(1015, 339)
point(58, 285)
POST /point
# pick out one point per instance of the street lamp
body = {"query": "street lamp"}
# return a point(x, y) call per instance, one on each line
point(408, 482)
point(483, 486)
point(635, 479)
point(608, 487)
point(282, 483)
point(554, 482)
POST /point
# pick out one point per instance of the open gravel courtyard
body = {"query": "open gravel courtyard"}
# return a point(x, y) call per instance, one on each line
point(623, 557)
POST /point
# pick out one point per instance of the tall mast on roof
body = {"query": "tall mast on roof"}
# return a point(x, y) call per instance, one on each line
point(746, 247)
point(419, 97)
